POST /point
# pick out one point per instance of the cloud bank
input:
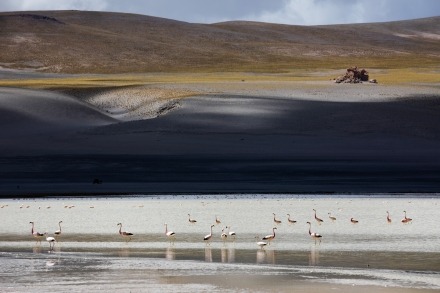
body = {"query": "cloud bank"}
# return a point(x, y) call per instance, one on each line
point(301, 12)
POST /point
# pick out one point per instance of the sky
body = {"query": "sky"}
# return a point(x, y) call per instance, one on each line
point(298, 12)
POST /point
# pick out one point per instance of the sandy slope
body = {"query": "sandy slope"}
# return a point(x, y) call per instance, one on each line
point(239, 137)
point(23, 110)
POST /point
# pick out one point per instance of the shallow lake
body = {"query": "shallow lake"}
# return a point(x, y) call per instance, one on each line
point(90, 254)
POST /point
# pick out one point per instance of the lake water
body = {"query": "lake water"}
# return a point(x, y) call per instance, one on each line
point(90, 255)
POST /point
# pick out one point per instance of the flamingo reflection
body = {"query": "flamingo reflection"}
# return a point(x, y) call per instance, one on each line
point(314, 256)
point(208, 254)
point(170, 254)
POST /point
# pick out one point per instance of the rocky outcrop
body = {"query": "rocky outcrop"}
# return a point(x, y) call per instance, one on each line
point(354, 75)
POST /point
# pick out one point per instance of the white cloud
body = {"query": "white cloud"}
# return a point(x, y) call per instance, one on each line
point(58, 5)
point(301, 12)
point(316, 12)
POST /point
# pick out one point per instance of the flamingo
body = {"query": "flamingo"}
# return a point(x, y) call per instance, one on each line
point(276, 221)
point(224, 236)
point(191, 221)
point(208, 237)
point(354, 221)
point(262, 244)
point(217, 220)
point(37, 235)
point(313, 234)
point(51, 241)
point(318, 219)
point(58, 232)
point(291, 221)
point(406, 219)
point(388, 217)
point(331, 217)
point(270, 237)
point(169, 234)
point(231, 233)
point(124, 234)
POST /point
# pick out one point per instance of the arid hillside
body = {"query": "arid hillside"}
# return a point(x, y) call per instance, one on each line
point(101, 42)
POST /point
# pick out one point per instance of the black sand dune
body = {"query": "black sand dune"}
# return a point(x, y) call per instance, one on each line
point(236, 143)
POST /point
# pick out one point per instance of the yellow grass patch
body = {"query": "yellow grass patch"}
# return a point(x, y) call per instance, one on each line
point(384, 76)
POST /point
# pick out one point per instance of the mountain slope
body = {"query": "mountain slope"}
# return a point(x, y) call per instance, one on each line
point(102, 42)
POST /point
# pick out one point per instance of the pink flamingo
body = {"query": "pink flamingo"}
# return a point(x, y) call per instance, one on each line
point(388, 217)
point(208, 237)
point(169, 234)
point(318, 219)
point(124, 234)
point(406, 219)
point(313, 234)
point(37, 235)
point(270, 237)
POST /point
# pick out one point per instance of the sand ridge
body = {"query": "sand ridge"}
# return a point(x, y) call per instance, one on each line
point(133, 102)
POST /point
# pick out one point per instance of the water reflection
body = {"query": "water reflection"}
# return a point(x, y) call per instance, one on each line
point(224, 255)
point(261, 256)
point(36, 249)
point(227, 255)
point(314, 256)
point(266, 256)
point(124, 252)
point(208, 254)
point(231, 255)
point(170, 254)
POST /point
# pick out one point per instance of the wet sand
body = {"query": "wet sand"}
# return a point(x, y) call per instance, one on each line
point(229, 137)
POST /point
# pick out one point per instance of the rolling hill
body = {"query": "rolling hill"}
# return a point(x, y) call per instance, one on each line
point(103, 42)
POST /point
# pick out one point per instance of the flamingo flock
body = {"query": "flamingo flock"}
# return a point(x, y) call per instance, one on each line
point(226, 233)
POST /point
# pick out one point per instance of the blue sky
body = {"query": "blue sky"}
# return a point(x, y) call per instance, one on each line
point(301, 12)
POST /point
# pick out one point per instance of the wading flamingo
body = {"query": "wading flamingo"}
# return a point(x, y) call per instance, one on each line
point(275, 220)
point(406, 219)
point(318, 219)
point(262, 244)
point(191, 221)
point(37, 235)
point(170, 234)
point(58, 232)
point(388, 217)
point(270, 237)
point(224, 236)
point(313, 234)
point(331, 217)
point(231, 233)
point(291, 221)
point(51, 241)
point(208, 237)
point(125, 234)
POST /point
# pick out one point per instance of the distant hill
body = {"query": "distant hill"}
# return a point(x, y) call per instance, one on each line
point(103, 42)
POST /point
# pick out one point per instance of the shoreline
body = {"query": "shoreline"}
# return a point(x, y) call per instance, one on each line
point(224, 195)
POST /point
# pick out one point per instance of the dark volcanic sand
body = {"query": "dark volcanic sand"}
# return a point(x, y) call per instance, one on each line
point(247, 138)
